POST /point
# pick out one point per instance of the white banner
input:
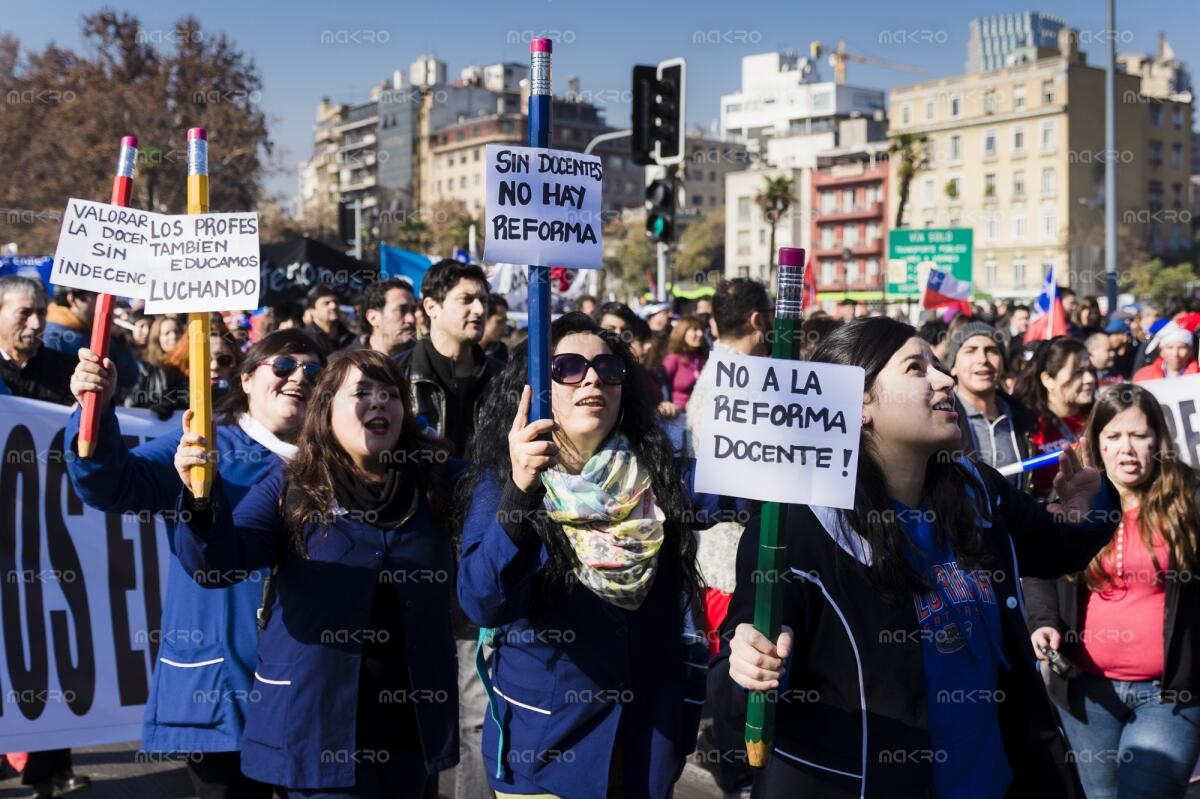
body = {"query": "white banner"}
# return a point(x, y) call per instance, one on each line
point(1179, 397)
point(779, 431)
point(81, 593)
point(542, 207)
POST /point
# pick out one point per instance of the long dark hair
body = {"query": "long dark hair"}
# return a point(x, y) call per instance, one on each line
point(638, 420)
point(870, 343)
point(1167, 498)
point(282, 342)
point(1049, 357)
point(309, 474)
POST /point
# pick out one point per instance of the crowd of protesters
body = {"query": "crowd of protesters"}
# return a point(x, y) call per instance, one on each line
point(396, 560)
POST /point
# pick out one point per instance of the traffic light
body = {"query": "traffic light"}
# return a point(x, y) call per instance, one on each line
point(660, 213)
point(658, 113)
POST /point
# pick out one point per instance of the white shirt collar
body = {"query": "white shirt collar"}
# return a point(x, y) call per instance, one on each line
point(255, 429)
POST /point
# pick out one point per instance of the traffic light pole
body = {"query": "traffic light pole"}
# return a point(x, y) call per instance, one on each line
point(662, 271)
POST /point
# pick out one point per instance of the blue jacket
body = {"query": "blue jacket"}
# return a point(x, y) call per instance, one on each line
point(584, 679)
point(302, 711)
point(204, 665)
point(58, 336)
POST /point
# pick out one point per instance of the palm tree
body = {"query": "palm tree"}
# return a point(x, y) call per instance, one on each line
point(775, 200)
point(910, 149)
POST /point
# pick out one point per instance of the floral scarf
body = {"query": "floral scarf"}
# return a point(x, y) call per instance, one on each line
point(612, 522)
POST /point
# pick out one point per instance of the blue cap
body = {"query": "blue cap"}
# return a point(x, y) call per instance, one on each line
point(1118, 326)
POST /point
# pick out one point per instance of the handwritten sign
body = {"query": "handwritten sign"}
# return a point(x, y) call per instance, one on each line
point(780, 431)
point(543, 207)
point(175, 262)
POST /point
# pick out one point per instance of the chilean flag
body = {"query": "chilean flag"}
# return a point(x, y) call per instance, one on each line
point(1047, 318)
point(810, 286)
point(944, 289)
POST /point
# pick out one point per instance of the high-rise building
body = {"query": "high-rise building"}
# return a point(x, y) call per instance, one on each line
point(1018, 154)
point(993, 39)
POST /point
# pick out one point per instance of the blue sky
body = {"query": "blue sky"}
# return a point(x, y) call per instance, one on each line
point(598, 42)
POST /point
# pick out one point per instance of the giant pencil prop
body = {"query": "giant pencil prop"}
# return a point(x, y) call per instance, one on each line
point(199, 324)
point(122, 190)
point(539, 275)
point(768, 596)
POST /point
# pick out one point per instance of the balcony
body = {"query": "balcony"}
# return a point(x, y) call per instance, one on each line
point(860, 212)
point(864, 249)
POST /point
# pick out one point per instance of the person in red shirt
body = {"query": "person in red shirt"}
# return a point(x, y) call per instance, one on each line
point(1054, 385)
point(1121, 634)
point(1176, 355)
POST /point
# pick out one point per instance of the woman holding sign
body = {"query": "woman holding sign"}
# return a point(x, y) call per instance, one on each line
point(904, 667)
point(577, 546)
point(205, 661)
point(355, 688)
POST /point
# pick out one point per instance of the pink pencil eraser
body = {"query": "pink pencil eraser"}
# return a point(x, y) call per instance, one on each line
point(541, 46)
point(791, 256)
point(197, 133)
point(129, 141)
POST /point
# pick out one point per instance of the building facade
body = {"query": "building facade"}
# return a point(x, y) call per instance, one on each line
point(850, 223)
point(993, 39)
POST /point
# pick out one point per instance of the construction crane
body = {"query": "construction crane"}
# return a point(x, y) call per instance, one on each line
point(839, 57)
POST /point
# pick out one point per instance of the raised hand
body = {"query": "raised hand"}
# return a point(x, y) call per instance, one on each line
point(529, 455)
point(1076, 484)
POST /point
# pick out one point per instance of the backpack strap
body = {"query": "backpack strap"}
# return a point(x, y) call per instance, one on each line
point(487, 637)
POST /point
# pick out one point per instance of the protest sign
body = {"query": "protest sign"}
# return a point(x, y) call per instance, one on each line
point(780, 431)
point(175, 262)
point(1178, 397)
point(81, 592)
point(543, 207)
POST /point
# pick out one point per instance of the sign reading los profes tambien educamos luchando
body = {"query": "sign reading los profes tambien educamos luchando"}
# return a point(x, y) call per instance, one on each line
point(779, 431)
point(175, 262)
point(543, 207)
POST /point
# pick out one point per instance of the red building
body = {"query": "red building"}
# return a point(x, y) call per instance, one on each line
point(850, 224)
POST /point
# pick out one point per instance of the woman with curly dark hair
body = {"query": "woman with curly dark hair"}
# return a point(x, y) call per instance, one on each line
point(577, 546)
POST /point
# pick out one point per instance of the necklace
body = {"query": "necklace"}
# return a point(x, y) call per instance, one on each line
point(1121, 551)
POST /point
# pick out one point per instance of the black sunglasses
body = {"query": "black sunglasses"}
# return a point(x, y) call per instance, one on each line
point(284, 365)
point(571, 368)
point(224, 360)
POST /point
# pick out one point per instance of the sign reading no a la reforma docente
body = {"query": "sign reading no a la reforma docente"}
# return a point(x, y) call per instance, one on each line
point(779, 431)
point(543, 207)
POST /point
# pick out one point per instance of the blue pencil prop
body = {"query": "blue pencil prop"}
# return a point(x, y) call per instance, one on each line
point(1039, 462)
point(539, 276)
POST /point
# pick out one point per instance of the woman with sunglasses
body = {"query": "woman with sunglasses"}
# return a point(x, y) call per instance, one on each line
point(204, 665)
point(355, 689)
point(576, 545)
point(163, 387)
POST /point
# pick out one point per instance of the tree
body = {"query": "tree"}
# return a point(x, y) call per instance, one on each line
point(909, 149)
point(65, 113)
point(632, 252)
point(774, 201)
point(1159, 284)
point(701, 247)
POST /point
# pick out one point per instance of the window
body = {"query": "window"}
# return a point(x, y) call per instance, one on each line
point(462, 182)
point(850, 235)
point(1177, 155)
point(828, 272)
point(989, 101)
point(991, 226)
point(743, 242)
point(828, 202)
point(1018, 97)
point(1018, 183)
point(989, 274)
point(848, 200)
point(1048, 181)
point(475, 180)
point(954, 189)
point(1018, 274)
point(828, 238)
point(955, 148)
point(989, 144)
point(852, 272)
point(1048, 135)
point(1018, 225)
point(439, 187)
point(1156, 151)
point(1048, 92)
point(929, 110)
point(762, 235)
point(989, 184)
point(1156, 115)
point(1018, 140)
point(955, 105)
point(743, 205)
point(906, 114)
point(1177, 194)
point(873, 231)
point(928, 193)
point(1177, 117)
point(872, 270)
point(1049, 225)
point(475, 154)
point(875, 194)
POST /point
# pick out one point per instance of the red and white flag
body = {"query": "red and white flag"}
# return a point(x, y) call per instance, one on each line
point(943, 289)
point(1047, 318)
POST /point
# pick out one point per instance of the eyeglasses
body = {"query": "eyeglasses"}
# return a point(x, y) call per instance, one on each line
point(284, 365)
point(224, 360)
point(571, 368)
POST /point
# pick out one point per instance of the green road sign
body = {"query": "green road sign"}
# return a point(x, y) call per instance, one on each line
point(911, 252)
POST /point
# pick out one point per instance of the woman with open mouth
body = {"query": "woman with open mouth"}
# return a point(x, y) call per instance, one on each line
point(579, 561)
point(355, 687)
point(203, 674)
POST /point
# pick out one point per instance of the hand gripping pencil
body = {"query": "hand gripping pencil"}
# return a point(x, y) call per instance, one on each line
point(122, 190)
point(768, 596)
point(199, 324)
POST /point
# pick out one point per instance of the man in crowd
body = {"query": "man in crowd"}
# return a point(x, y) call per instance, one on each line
point(1101, 355)
point(587, 304)
point(37, 372)
point(325, 321)
point(1120, 341)
point(1018, 323)
point(69, 328)
point(996, 429)
point(496, 328)
point(389, 309)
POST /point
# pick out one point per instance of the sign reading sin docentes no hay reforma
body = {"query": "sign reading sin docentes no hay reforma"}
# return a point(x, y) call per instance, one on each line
point(780, 431)
point(543, 207)
point(175, 262)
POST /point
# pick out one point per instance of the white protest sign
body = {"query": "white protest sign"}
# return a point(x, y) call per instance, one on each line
point(103, 248)
point(210, 264)
point(1179, 397)
point(176, 262)
point(780, 431)
point(543, 207)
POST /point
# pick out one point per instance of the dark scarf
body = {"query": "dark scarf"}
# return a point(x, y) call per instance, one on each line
point(384, 503)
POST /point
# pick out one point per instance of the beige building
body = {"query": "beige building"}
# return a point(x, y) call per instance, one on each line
point(1018, 155)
